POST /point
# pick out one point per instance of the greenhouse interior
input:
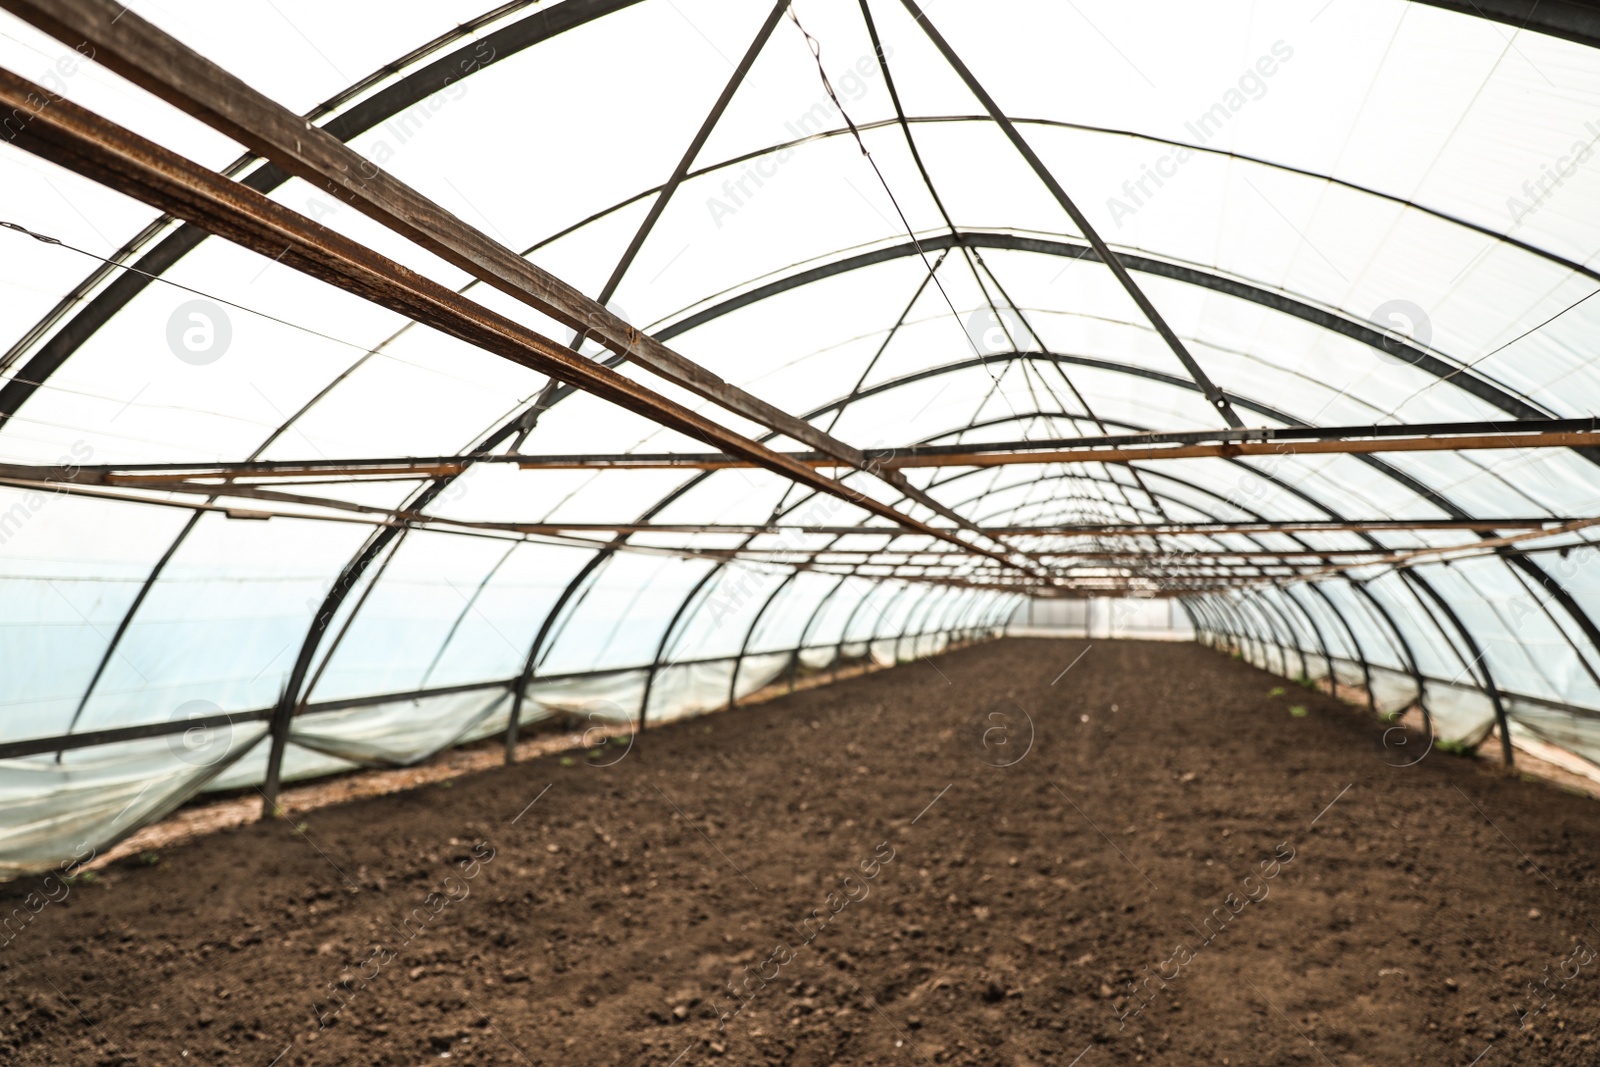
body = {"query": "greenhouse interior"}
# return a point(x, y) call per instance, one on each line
point(406, 395)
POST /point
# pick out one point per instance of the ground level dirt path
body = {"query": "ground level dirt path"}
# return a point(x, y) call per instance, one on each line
point(979, 859)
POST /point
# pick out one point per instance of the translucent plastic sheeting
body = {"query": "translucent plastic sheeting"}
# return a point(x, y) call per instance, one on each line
point(1574, 730)
point(785, 619)
point(1458, 713)
point(446, 611)
point(816, 659)
point(52, 812)
point(1297, 177)
point(623, 614)
point(758, 672)
point(611, 697)
point(402, 732)
point(688, 689)
point(299, 764)
point(1393, 691)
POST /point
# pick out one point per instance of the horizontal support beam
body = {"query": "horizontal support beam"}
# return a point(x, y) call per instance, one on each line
point(1278, 442)
point(149, 57)
point(55, 129)
point(60, 480)
point(36, 746)
point(978, 455)
point(1162, 559)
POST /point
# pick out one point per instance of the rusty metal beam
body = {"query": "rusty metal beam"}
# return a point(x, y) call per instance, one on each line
point(55, 129)
point(1162, 558)
point(975, 456)
point(90, 482)
point(1217, 398)
point(137, 50)
point(1582, 439)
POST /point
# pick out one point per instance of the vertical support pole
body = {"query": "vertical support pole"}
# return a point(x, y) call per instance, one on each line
point(1405, 648)
point(666, 638)
point(1290, 631)
point(744, 646)
point(882, 616)
point(910, 614)
point(1194, 619)
point(844, 634)
point(526, 677)
point(816, 613)
point(1478, 665)
point(290, 696)
point(1333, 678)
point(1355, 643)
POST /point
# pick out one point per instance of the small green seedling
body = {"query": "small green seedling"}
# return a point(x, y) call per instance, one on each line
point(567, 761)
point(1276, 691)
point(1299, 711)
point(149, 859)
point(1456, 748)
point(302, 826)
point(448, 783)
point(82, 878)
point(1390, 716)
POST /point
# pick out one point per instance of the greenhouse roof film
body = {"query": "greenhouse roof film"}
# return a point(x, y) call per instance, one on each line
point(378, 379)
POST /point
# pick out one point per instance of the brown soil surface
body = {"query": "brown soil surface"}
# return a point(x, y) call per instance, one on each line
point(622, 901)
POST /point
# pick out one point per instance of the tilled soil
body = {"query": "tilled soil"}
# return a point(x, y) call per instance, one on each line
point(1177, 869)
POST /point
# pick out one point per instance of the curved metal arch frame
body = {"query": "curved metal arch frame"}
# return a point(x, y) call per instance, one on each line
point(1235, 627)
point(357, 119)
point(1207, 492)
point(1272, 642)
point(1204, 620)
point(1365, 334)
point(1292, 617)
point(1299, 612)
point(1218, 623)
point(927, 602)
point(1456, 374)
point(1409, 576)
point(1209, 619)
point(1280, 302)
point(805, 631)
point(1226, 625)
point(957, 432)
point(1265, 633)
point(1529, 566)
point(1570, 21)
point(571, 3)
point(749, 635)
point(667, 634)
point(1322, 641)
point(844, 631)
point(1479, 663)
point(1290, 631)
point(1355, 643)
point(1385, 345)
point(1402, 642)
point(799, 503)
point(1234, 504)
